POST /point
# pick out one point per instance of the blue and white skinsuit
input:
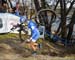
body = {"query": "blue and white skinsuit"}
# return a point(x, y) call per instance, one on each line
point(35, 34)
point(34, 31)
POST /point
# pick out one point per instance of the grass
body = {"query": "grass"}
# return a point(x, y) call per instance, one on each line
point(8, 35)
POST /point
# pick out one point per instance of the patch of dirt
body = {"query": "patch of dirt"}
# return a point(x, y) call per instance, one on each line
point(12, 49)
point(13, 46)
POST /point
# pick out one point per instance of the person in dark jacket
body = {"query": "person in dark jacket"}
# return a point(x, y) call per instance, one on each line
point(3, 6)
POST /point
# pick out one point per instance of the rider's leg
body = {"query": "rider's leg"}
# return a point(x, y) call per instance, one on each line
point(34, 46)
point(34, 38)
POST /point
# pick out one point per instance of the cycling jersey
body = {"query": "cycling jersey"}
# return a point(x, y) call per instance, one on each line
point(34, 30)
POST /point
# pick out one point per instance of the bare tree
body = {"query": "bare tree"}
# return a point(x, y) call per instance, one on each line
point(67, 12)
point(71, 6)
point(37, 6)
point(71, 26)
point(63, 19)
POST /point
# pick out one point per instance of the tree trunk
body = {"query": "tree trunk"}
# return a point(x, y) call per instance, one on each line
point(56, 4)
point(71, 27)
point(63, 19)
point(72, 3)
point(67, 12)
point(52, 16)
point(37, 8)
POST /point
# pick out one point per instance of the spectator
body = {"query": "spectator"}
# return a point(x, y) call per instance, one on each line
point(15, 9)
point(13, 3)
point(3, 6)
